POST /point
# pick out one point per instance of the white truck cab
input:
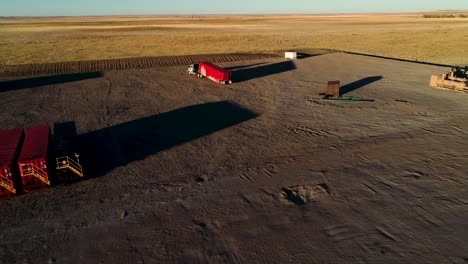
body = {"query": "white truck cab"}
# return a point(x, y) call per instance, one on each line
point(193, 69)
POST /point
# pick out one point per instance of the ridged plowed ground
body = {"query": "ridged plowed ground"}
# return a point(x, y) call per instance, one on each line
point(123, 64)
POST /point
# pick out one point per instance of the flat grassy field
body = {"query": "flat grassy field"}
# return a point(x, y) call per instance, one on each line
point(405, 36)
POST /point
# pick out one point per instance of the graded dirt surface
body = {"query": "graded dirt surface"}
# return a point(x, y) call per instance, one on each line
point(183, 170)
point(131, 63)
point(404, 36)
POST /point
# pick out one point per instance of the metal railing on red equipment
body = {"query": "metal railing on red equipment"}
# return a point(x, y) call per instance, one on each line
point(69, 163)
point(7, 184)
point(33, 170)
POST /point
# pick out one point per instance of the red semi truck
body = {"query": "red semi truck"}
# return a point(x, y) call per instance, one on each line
point(10, 145)
point(34, 159)
point(210, 71)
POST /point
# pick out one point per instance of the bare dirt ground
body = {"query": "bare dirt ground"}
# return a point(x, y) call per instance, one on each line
point(183, 170)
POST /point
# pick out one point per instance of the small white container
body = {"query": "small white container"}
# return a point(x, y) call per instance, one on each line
point(290, 55)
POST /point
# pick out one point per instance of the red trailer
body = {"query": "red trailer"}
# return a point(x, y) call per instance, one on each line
point(34, 159)
point(10, 145)
point(211, 71)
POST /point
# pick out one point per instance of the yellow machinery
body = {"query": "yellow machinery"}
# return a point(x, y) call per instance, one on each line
point(456, 79)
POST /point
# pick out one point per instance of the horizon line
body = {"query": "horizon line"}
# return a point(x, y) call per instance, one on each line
point(235, 14)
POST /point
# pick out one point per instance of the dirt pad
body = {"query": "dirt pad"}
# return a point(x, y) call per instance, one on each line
point(183, 170)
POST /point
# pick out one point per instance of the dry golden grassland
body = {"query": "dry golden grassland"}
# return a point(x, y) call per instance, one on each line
point(406, 36)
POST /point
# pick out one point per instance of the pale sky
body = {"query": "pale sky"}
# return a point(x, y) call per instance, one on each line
point(148, 7)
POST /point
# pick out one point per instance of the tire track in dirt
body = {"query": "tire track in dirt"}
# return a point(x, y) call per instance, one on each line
point(342, 232)
point(250, 174)
point(123, 64)
point(376, 241)
point(302, 130)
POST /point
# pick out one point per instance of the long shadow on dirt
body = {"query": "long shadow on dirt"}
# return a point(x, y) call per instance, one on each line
point(302, 55)
point(234, 68)
point(46, 80)
point(116, 146)
point(246, 74)
point(359, 84)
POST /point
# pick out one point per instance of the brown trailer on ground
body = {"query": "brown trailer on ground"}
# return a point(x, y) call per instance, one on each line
point(333, 89)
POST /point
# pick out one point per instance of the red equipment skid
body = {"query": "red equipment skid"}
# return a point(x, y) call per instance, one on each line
point(10, 145)
point(33, 160)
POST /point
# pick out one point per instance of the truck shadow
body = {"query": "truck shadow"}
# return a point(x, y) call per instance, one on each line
point(46, 80)
point(112, 147)
point(247, 74)
point(359, 84)
point(233, 68)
